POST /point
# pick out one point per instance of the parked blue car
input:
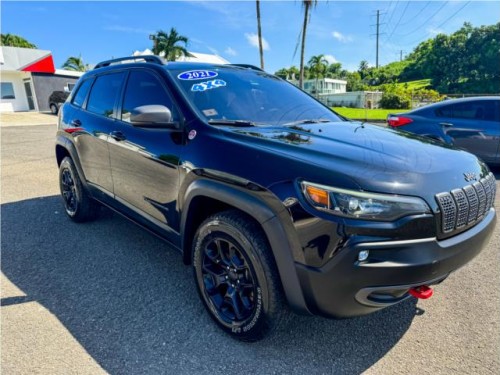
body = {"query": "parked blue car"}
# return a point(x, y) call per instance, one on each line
point(469, 123)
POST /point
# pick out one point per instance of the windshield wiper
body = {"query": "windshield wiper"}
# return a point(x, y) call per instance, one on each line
point(309, 121)
point(231, 122)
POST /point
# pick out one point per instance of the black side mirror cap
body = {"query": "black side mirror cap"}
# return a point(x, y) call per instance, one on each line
point(153, 116)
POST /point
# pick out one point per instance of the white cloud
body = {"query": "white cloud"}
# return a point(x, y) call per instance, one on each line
point(341, 37)
point(230, 52)
point(434, 31)
point(331, 59)
point(253, 39)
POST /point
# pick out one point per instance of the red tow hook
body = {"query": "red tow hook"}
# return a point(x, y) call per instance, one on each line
point(422, 292)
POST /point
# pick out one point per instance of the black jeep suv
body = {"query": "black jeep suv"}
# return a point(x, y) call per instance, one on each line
point(273, 198)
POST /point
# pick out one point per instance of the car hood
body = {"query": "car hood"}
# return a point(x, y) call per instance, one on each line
point(376, 158)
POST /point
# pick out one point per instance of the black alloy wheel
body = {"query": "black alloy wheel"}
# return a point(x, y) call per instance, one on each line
point(236, 276)
point(228, 280)
point(78, 204)
point(68, 191)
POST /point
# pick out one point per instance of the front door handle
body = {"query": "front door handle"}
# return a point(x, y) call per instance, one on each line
point(76, 123)
point(117, 135)
point(446, 124)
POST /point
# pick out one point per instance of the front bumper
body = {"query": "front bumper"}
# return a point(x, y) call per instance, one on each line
point(345, 287)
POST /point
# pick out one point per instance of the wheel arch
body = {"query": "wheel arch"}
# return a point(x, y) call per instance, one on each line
point(205, 197)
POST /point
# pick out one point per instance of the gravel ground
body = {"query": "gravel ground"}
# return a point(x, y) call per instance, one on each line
point(109, 297)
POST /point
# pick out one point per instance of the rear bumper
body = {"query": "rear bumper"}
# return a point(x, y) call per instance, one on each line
point(345, 287)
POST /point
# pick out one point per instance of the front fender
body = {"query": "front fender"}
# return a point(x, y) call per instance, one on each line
point(270, 213)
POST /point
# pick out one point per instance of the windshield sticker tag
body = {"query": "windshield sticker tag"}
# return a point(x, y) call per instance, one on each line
point(210, 112)
point(202, 86)
point(197, 74)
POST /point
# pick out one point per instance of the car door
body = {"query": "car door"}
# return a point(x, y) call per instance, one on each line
point(473, 126)
point(94, 116)
point(145, 161)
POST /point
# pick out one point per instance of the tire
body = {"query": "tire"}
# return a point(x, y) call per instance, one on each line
point(236, 276)
point(54, 109)
point(78, 204)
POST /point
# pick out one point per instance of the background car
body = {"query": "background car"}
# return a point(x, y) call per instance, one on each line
point(56, 99)
point(470, 123)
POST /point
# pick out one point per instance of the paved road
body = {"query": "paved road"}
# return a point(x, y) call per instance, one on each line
point(109, 297)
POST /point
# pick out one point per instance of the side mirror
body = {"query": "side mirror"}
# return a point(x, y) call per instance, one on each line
point(152, 116)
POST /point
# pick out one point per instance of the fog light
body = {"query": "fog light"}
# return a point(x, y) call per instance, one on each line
point(363, 255)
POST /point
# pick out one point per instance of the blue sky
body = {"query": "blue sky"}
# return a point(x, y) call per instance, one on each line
point(342, 30)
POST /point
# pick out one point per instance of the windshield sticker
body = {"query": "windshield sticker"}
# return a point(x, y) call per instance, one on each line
point(210, 112)
point(202, 86)
point(197, 74)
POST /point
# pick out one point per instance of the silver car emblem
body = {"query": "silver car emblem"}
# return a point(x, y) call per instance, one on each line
point(470, 176)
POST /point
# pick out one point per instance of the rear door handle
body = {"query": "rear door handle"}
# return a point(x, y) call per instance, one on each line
point(446, 124)
point(117, 135)
point(76, 123)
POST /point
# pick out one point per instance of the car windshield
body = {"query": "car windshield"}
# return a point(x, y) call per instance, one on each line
point(245, 97)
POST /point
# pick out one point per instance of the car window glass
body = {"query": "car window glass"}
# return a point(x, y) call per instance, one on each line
point(104, 93)
point(143, 88)
point(473, 110)
point(81, 94)
point(232, 93)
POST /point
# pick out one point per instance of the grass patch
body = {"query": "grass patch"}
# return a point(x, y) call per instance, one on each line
point(367, 114)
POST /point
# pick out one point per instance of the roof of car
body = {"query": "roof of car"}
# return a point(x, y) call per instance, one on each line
point(452, 101)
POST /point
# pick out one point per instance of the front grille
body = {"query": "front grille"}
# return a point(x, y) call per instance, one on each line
point(466, 206)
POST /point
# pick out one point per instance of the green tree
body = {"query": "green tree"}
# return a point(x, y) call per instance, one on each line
point(317, 67)
point(307, 5)
point(334, 70)
point(12, 40)
point(259, 33)
point(282, 73)
point(167, 44)
point(363, 69)
point(76, 64)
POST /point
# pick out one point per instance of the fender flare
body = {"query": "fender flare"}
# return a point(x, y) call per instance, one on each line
point(254, 205)
point(65, 143)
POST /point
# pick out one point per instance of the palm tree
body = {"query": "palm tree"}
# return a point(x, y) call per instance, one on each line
point(76, 64)
point(307, 4)
point(363, 68)
point(259, 33)
point(317, 65)
point(166, 44)
point(12, 40)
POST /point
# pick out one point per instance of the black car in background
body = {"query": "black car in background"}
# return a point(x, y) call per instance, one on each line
point(472, 124)
point(277, 202)
point(56, 99)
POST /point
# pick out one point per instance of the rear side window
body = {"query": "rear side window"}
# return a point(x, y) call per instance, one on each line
point(143, 88)
point(474, 110)
point(82, 92)
point(104, 94)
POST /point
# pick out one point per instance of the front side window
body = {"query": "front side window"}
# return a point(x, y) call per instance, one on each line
point(104, 94)
point(7, 90)
point(232, 93)
point(82, 92)
point(143, 88)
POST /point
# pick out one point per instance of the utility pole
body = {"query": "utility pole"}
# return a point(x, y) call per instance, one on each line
point(377, 34)
point(401, 55)
point(378, 29)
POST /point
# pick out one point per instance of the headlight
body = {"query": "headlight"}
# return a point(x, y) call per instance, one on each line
point(362, 205)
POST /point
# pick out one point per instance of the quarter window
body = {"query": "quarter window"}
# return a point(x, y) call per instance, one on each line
point(143, 88)
point(82, 92)
point(104, 94)
point(7, 90)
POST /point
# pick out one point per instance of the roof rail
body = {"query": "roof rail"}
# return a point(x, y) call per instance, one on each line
point(247, 66)
point(147, 58)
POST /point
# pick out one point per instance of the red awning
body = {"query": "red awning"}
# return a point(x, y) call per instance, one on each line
point(45, 65)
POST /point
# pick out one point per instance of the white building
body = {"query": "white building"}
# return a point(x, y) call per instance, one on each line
point(323, 86)
point(28, 78)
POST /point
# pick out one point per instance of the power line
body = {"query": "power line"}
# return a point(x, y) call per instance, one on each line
point(421, 10)
point(399, 21)
point(454, 14)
